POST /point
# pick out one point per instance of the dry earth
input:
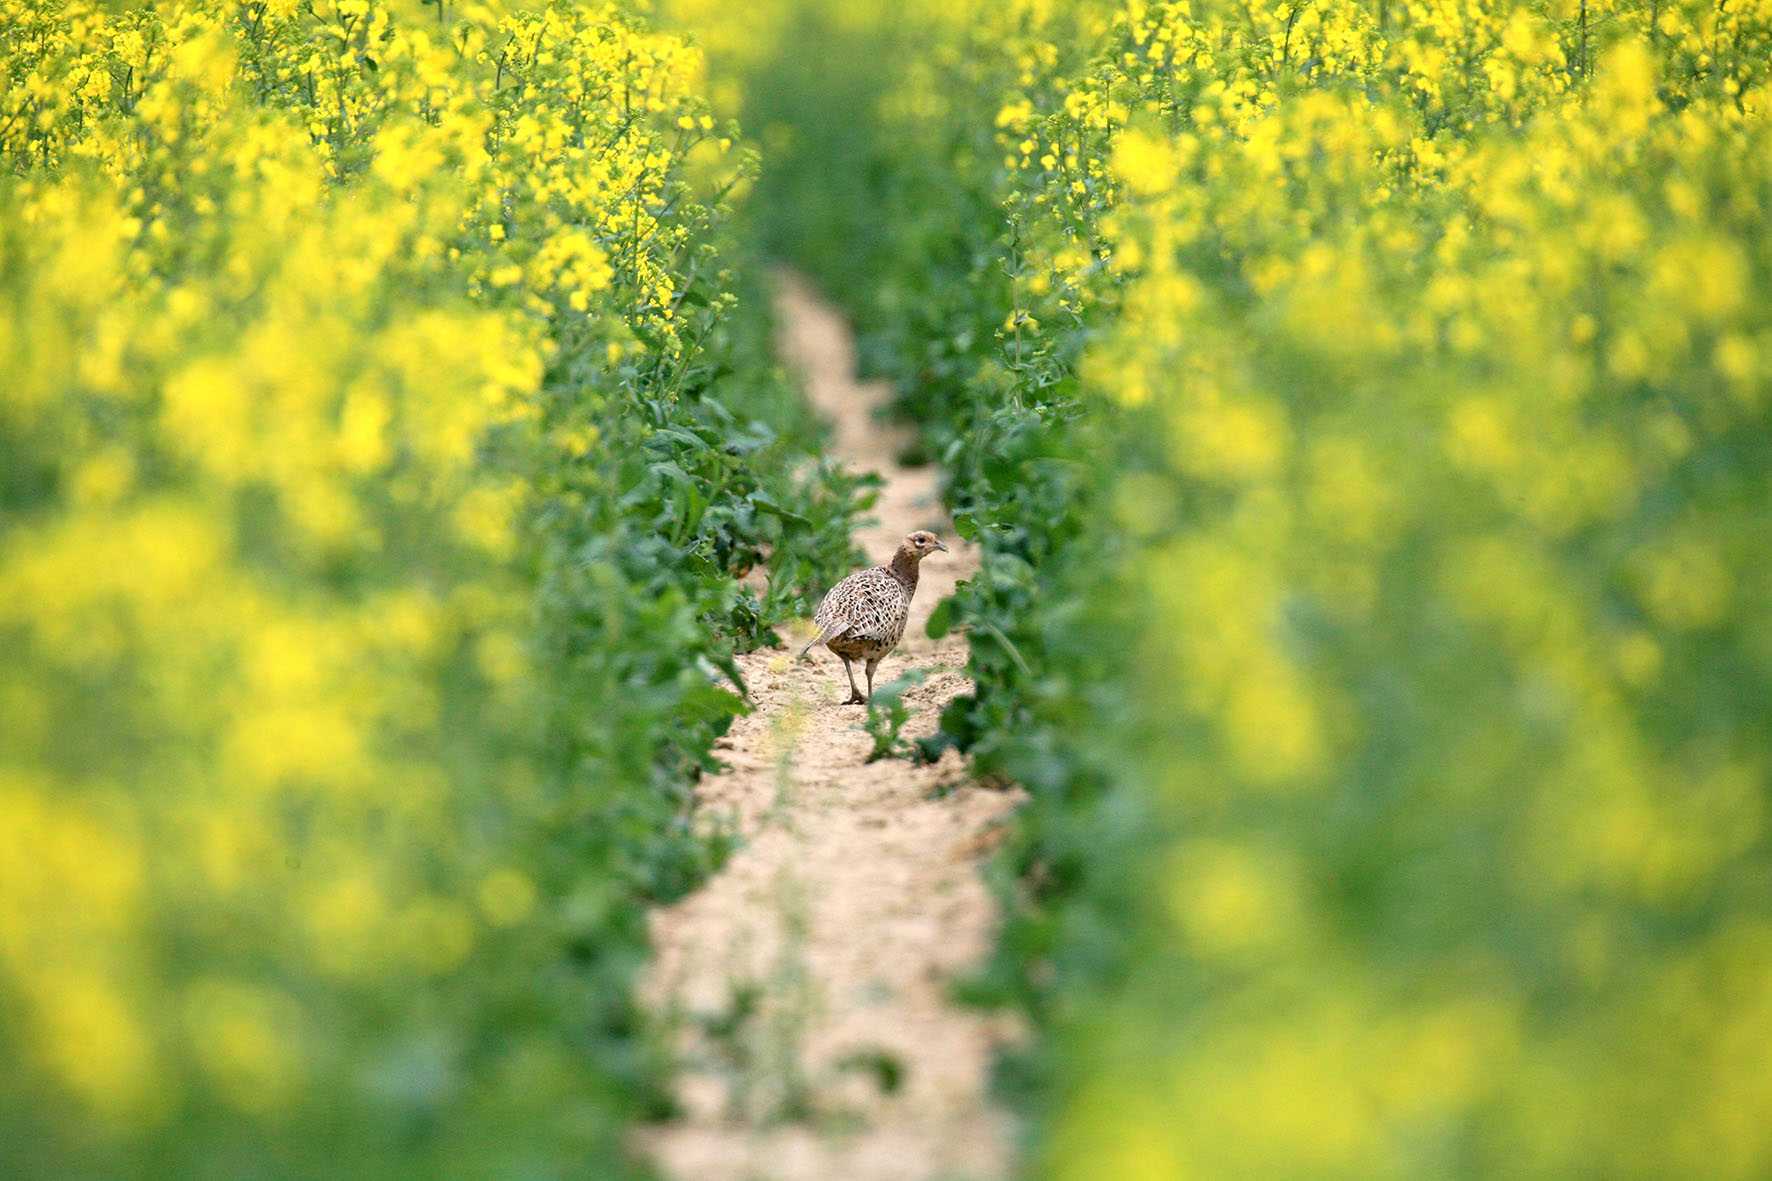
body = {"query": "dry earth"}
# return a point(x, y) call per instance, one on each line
point(807, 983)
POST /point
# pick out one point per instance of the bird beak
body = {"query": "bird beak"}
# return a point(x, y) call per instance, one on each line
point(941, 545)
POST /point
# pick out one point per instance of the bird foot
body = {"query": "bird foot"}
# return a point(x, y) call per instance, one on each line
point(856, 699)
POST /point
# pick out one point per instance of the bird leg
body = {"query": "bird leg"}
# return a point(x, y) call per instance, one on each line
point(855, 697)
point(871, 666)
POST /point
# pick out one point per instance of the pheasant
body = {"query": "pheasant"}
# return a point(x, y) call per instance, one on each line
point(862, 617)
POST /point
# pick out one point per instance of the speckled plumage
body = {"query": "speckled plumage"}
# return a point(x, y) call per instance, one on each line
point(863, 616)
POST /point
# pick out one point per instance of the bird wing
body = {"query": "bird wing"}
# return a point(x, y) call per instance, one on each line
point(829, 630)
point(847, 607)
point(869, 604)
point(877, 606)
point(833, 615)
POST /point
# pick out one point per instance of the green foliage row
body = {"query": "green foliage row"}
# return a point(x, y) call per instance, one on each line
point(389, 446)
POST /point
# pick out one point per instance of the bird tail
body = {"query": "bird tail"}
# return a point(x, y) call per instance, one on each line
point(829, 631)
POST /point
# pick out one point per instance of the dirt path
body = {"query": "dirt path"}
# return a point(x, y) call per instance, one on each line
point(807, 982)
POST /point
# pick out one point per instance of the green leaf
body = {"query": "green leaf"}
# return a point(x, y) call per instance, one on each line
point(941, 620)
point(692, 441)
point(764, 504)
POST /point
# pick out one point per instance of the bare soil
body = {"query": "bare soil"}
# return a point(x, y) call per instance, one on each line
point(808, 983)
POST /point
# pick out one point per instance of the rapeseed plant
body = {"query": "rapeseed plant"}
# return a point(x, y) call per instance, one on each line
point(370, 529)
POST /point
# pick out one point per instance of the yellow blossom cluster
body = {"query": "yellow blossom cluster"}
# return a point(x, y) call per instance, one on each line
point(1454, 324)
point(303, 307)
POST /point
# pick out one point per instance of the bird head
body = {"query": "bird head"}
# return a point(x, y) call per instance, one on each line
point(921, 544)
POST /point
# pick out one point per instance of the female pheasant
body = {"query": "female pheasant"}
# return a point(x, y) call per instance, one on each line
point(862, 617)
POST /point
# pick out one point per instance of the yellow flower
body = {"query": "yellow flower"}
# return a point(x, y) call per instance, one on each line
point(97, 1046)
point(1148, 165)
point(248, 1039)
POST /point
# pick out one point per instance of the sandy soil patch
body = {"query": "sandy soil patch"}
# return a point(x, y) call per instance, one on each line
point(807, 984)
